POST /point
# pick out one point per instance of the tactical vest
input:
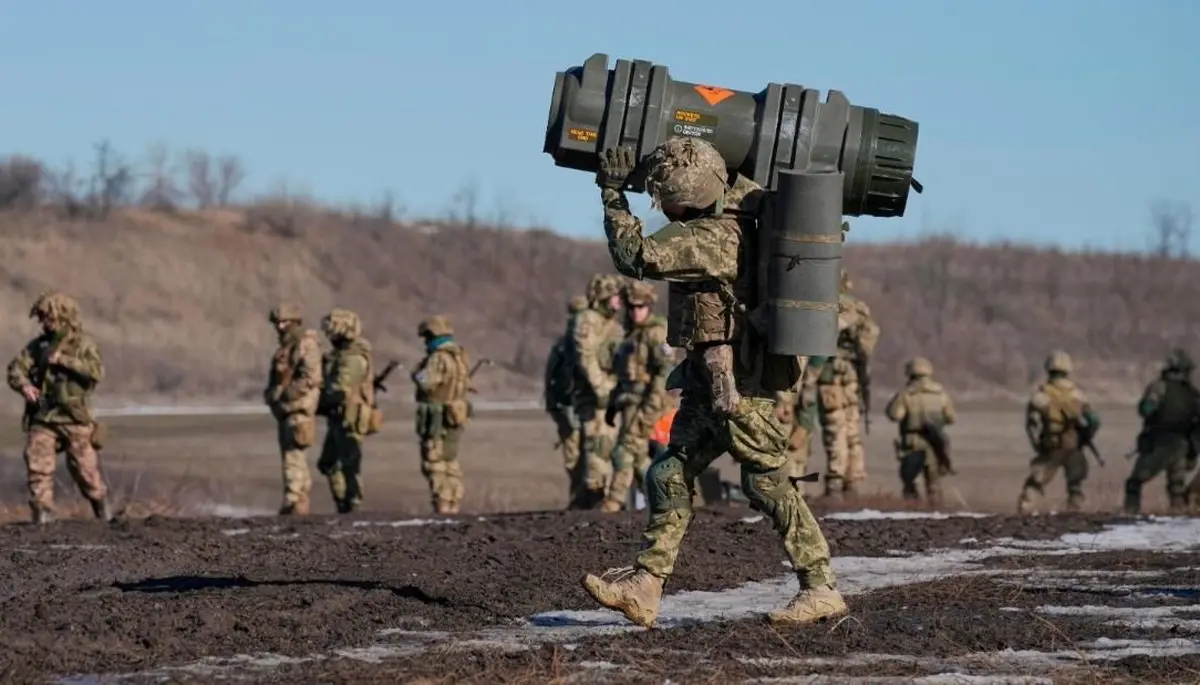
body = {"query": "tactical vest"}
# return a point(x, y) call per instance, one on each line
point(1178, 406)
point(365, 392)
point(457, 381)
point(633, 356)
point(283, 364)
point(65, 398)
point(711, 311)
point(1061, 429)
point(924, 406)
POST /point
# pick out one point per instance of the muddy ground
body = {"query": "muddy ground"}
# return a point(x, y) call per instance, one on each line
point(375, 599)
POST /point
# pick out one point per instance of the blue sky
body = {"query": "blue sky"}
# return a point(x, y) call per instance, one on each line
point(1052, 121)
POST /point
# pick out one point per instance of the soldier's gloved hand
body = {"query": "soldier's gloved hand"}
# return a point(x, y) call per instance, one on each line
point(616, 166)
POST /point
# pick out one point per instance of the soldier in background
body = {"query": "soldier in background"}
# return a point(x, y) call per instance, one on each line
point(598, 332)
point(443, 380)
point(1170, 409)
point(799, 411)
point(1059, 422)
point(56, 373)
point(843, 393)
point(922, 409)
point(640, 397)
point(557, 388)
point(292, 394)
point(348, 403)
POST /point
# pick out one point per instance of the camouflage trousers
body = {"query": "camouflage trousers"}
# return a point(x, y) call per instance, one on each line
point(42, 445)
point(800, 444)
point(296, 433)
point(918, 463)
point(840, 415)
point(595, 457)
point(442, 470)
point(341, 463)
point(1042, 468)
point(567, 428)
point(1168, 452)
point(631, 456)
point(756, 439)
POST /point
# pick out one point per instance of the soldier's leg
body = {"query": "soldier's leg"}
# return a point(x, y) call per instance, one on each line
point(1041, 471)
point(1075, 471)
point(1177, 470)
point(41, 457)
point(799, 446)
point(84, 466)
point(1146, 466)
point(296, 434)
point(453, 480)
point(433, 467)
point(758, 443)
point(330, 466)
point(834, 438)
point(568, 442)
point(631, 443)
point(912, 466)
point(933, 479)
point(642, 464)
point(696, 440)
point(596, 456)
point(856, 465)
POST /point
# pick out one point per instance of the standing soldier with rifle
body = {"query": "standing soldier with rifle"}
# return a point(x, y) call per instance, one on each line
point(1170, 409)
point(558, 384)
point(443, 380)
point(640, 397)
point(1060, 424)
point(292, 394)
point(844, 393)
point(923, 410)
point(56, 373)
point(348, 403)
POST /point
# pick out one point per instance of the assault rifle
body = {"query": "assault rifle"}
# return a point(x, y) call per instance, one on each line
point(383, 375)
point(1086, 444)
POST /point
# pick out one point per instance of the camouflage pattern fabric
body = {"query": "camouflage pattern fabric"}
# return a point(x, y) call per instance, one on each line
point(443, 410)
point(56, 373)
point(839, 394)
point(798, 412)
point(293, 393)
point(921, 405)
point(1052, 417)
point(1170, 410)
point(347, 394)
point(597, 334)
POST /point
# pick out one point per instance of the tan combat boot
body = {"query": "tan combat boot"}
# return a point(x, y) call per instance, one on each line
point(632, 591)
point(1025, 503)
point(810, 606)
point(609, 506)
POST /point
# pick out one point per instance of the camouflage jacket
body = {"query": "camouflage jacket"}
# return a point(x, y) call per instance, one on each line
point(443, 376)
point(347, 384)
point(67, 384)
point(594, 342)
point(1056, 412)
point(858, 334)
point(922, 404)
point(296, 374)
point(643, 361)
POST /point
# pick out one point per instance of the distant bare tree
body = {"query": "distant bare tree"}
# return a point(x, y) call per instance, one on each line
point(202, 182)
point(464, 204)
point(162, 192)
point(1171, 228)
point(230, 174)
point(112, 181)
point(22, 183)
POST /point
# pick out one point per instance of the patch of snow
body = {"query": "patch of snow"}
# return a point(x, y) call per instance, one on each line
point(875, 515)
point(407, 522)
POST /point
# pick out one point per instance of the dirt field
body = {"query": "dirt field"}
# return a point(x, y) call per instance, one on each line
point(495, 597)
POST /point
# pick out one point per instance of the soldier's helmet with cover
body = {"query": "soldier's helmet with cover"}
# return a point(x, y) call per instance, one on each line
point(918, 367)
point(1059, 362)
point(1179, 360)
point(602, 287)
point(341, 324)
point(59, 309)
point(686, 172)
point(638, 293)
point(285, 311)
point(435, 326)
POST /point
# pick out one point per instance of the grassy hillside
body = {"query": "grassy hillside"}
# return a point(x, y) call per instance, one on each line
point(179, 299)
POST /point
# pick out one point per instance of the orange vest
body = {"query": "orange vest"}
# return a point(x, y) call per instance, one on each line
point(662, 428)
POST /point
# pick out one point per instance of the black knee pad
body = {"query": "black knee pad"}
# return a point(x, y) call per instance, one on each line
point(666, 484)
point(764, 488)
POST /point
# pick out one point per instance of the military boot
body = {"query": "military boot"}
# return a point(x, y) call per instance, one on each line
point(1025, 502)
point(1075, 501)
point(810, 606)
point(632, 591)
point(609, 506)
point(101, 509)
point(42, 516)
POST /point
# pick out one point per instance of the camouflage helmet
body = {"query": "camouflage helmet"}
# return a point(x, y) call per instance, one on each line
point(436, 325)
point(56, 307)
point(918, 367)
point(603, 286)
point(638, 292)
point(341, 323)
point(285, 311)
point(577, 304)
point(1059, 362)
point(1179, 360)
point(687, 172)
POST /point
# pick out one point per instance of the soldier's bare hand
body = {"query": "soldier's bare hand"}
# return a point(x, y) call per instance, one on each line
point(616, 166)
point(31, 393)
